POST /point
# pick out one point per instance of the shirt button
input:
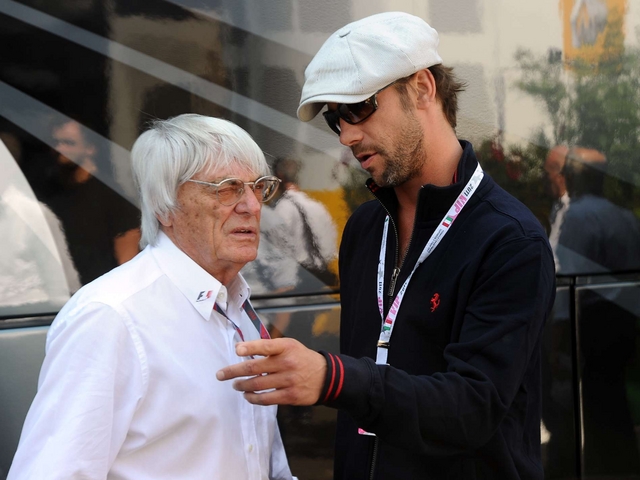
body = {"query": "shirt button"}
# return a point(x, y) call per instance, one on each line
point(250, 448)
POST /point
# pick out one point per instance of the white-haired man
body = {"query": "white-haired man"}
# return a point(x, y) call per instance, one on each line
point(446, 280)
point(127, 389)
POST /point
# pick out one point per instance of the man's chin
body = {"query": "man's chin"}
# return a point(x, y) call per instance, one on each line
point(380, 180)
point(245, 255)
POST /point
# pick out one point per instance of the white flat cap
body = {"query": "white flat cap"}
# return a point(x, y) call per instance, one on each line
point(365, 56)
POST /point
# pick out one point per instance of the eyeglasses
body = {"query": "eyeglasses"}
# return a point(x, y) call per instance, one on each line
point(353, 113)
point(230, 190)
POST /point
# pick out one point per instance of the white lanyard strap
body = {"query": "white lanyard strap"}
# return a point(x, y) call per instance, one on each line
point(442, 229)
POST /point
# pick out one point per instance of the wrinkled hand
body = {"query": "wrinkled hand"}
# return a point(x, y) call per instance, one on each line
point(290, 373)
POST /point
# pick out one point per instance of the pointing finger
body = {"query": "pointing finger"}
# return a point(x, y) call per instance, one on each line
point(249, 368)
point(261, 347)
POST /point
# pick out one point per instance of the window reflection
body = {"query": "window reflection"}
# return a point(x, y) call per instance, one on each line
point(316, 327)
point(299, 241)
point(595, 235)
point(102, 227)
point(558, 394)
point(607, 320)
point(37, 274)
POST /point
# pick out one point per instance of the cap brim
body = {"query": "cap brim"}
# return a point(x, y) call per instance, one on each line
point(312, 106)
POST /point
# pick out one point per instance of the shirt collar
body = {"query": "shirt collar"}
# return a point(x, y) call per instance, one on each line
point(199, 287)
point(238, 291)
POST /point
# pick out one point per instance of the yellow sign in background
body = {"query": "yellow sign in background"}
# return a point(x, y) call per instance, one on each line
point(593, 29)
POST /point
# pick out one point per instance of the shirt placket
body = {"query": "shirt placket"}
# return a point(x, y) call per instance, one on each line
point(251, 449)
point(248, 412)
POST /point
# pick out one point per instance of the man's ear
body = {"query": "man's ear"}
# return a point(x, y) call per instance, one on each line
point(425, 85)
point(166, 220)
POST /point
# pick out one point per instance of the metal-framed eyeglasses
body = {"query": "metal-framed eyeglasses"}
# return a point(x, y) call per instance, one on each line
point(230, 190)
point(353, 113)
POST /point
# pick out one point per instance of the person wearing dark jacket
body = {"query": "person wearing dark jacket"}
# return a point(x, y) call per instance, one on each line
point(446, 280)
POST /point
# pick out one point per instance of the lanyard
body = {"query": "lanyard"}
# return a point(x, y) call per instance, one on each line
point(442, 229)
point(253, 316)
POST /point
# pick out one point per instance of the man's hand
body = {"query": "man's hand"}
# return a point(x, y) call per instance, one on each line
point(290, 373)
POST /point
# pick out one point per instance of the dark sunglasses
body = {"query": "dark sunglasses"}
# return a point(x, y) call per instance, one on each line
point(353, 113)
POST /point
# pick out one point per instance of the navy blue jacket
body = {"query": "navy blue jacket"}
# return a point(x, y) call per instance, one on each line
point(461, 396)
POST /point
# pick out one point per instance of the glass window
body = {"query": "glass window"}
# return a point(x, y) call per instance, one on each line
point(608, 323)
point(36, 272)
point(558, 429)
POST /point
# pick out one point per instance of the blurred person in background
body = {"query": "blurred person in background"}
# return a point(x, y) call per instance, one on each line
point(310, 235)
point(597, 235)
point(553, 166)
point(101, 226)
point(36, 269)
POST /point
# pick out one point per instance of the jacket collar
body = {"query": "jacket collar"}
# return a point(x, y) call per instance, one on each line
point(433, 201)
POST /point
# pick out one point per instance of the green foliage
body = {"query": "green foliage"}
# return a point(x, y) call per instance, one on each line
point(593, 106)
point(520, 171)
point(588, 105)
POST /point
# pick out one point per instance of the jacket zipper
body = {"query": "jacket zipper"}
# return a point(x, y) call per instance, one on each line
point(374, 458)
point(392, 288)
point(398, 263)
point(396, 270)
point(394, 278)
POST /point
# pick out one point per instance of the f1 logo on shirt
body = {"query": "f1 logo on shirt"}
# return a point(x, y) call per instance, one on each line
point(204, 295)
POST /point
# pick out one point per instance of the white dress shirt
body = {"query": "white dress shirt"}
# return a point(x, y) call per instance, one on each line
point(128, 387)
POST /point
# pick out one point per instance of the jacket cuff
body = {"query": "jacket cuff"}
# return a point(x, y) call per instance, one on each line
point(334, 379)
point(350, 384)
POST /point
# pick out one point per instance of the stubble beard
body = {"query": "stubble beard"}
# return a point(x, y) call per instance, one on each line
point(406, 157)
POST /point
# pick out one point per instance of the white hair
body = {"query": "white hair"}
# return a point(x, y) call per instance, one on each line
point(175, 150)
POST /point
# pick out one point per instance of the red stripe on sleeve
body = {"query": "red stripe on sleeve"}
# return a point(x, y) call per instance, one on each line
point(339, 389)
point(333, 378)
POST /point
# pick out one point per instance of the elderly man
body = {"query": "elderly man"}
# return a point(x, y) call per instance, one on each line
point(127, 388)
point(446, 280)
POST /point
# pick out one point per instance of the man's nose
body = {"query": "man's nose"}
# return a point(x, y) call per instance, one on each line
point(349, 134)
point(249, 202)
